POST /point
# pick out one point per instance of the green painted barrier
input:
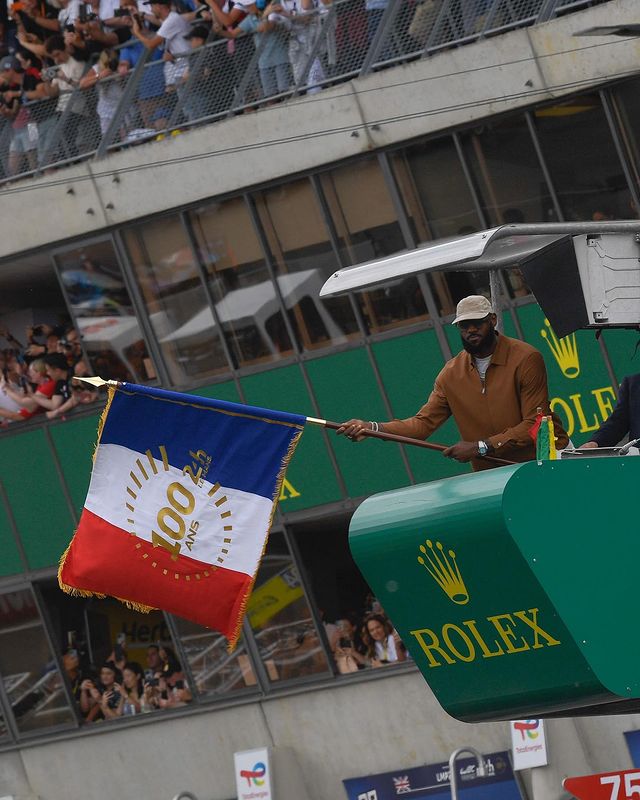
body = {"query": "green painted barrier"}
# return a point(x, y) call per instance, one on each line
point(514, 589)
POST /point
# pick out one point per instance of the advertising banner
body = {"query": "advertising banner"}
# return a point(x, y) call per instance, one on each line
point(432, 782)
point(528, 743)
point(253, 774)
point(633, 743)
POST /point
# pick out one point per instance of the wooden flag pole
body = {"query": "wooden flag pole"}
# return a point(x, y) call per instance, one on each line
point(388, 437)
point(392, 437)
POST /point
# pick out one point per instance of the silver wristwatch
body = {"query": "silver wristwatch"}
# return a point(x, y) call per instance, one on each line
point(483, 448)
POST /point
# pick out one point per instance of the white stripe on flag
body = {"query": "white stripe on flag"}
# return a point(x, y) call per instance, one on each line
point(135, 504)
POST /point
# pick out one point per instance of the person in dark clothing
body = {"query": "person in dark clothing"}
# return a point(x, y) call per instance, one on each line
point(625, 418)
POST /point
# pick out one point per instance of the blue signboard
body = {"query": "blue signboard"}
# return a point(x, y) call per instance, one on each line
point(431, 782)
point(633, 743)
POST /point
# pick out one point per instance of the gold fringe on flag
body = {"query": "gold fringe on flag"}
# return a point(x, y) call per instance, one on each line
point(233, 640)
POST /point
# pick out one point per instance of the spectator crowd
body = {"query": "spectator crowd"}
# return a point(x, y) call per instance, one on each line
point(367, 640)
point(121, 687)
point(52, 48)
point(37, 377)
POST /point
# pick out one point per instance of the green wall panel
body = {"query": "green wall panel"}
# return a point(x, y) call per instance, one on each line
point(345, 387)
point(35, 495)
point(219, 391)
point(312, 479)
point(621, 346)
point(579, 384)
point(74, 442)
point(408, 367)
point(10, 563)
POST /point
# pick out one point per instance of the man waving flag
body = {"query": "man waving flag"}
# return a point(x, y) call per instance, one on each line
point(182, 494)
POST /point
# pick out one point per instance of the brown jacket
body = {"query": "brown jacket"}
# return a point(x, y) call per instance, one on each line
point(501, 412)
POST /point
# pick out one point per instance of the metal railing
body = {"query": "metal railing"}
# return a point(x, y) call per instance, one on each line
point(299, 53)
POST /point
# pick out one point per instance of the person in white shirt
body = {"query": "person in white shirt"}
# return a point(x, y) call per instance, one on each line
point(63, 86)
point(170, 35)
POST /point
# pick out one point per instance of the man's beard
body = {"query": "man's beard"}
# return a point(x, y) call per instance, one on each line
point(483, 344)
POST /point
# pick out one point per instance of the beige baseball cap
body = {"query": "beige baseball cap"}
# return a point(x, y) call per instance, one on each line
point(476, 306)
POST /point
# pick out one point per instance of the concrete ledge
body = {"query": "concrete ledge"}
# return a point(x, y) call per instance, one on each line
point(452, 88)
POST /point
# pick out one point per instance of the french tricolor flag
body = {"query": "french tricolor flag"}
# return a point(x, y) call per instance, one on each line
point(180, 504)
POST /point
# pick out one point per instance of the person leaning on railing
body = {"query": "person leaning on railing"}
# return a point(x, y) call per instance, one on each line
point(17, 87)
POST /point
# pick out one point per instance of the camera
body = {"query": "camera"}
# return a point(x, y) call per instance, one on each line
point(345, 642)
point(113, 701)
point(178, 685)
point(153, 682)
point(121, 12)
point(70, 28)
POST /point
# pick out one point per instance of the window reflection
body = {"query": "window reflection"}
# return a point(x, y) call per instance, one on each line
point(304, 259)
point(367, 231)
point(421, 171)
point(30, 675)
point(214, 670)
point(627, 109)
point(178, 308)
point(109, 330)
point(246, 302)
point(582, 160)
point(281, 619)
point(507, 173)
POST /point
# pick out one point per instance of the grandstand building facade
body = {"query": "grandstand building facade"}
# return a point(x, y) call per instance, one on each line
point(194, 262)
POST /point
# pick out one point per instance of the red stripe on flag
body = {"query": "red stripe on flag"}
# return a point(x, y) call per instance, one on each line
point(105, 559)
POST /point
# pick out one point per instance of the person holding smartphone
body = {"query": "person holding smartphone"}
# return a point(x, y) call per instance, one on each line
point(346, 654)
point(382, 641)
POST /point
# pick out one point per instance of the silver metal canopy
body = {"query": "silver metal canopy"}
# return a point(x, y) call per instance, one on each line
point(583, 274)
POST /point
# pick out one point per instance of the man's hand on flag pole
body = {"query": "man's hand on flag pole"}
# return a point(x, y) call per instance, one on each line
point(353, 429)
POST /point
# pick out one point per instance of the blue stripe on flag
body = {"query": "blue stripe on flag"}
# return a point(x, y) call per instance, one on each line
point(247, 444)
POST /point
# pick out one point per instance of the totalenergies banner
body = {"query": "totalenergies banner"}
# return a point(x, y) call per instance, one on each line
point(528, 743)
point(433, 782)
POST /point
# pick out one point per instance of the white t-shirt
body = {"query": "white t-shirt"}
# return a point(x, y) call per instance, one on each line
point(107, 8)
point(482, 365)
point(68, 15)
point(173, 30)
point(73, 70)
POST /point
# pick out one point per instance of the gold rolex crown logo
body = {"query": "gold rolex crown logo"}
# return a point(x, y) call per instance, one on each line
point(565, 351)
point(443, 568)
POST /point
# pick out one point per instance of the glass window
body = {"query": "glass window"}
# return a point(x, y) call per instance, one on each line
point(367, 231)
point(33, 321)
point(507, 173)
point(118, 662)
point(281, 619)
point(304, 259)
point(110, 333)
point(353, 619)
point(627, 109)
point(214, 670)
point(177, 304)
point(29, 672)
point(582, 160)
point(421, 172)
point(245, 297)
